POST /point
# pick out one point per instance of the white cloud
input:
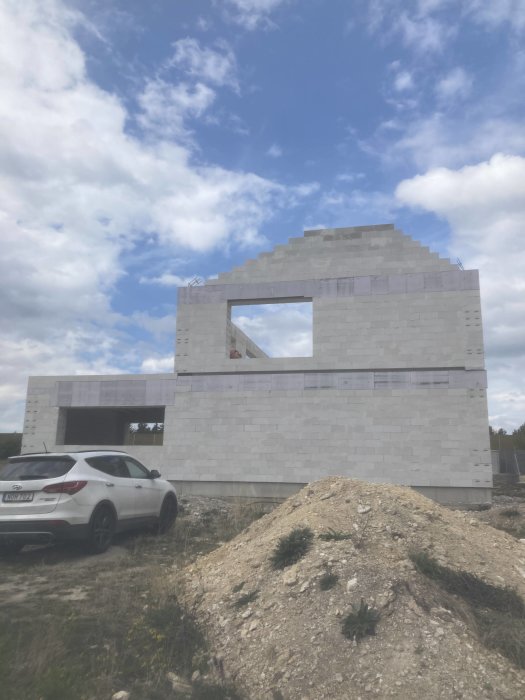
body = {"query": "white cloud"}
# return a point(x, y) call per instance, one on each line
point(349, 177)
point(165, 107)
point(403, 81)
point(216, 66)
point(441, 140)
point(493, 14)
point(167, 279)
point(274, 151)
point(485, 207)
point(424, 26)
point(252, 14)
point(281, 330)
point(353, 207)
point(78, 190)
point(160, 327)
point(416, 24)
point(455, 85)
point(158, 365)
point(424, 34)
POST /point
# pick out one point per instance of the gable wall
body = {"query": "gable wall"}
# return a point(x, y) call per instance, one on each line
point(395, 390)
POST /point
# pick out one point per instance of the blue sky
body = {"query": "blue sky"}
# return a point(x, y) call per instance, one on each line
point(143, 144)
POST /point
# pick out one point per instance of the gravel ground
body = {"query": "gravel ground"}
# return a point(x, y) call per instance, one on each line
point(278, 635)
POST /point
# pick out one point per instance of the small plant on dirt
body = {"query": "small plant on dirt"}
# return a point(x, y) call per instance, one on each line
point(498, 613)
point(504, 633)
point(359, 537)
point(238, 587)
point(360, 622)
point(335, 535)
point(292, 547)
point(245, 599)
point(473, 589)
point(328, 580)
point(510, 513)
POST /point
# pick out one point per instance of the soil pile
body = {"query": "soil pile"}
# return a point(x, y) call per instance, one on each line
point(278, 633)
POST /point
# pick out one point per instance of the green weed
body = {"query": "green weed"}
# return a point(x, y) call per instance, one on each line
point(335, 535)
point(360, 622)
point(245, 599)
point(292, 547)
point(328, 580)
point(498, 613)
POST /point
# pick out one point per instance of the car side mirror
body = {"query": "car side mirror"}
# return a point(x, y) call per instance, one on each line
point(154, 474)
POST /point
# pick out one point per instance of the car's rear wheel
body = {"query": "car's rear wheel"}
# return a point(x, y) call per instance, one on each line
point(10, 548)
point(101, 529)
point(168, 514)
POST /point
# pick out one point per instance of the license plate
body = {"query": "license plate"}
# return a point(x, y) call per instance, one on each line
point(18, 497)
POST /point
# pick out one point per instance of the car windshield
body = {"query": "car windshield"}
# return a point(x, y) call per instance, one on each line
point(36, 468)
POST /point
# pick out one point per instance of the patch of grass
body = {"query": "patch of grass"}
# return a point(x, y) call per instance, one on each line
point(292, 547)
point(483, 506)
point(220, 691)
point(360, 622)
point(57, 684)
point(510, 513)
point(128, 633)
point(512, 528)
point(328, 580)
point(473, 589)
point(245, 599)
point(335, 535)
point(504, 633)
point(498, 613)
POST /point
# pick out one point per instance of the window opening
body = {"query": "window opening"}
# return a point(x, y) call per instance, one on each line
point(137, 425)
point(279, 329)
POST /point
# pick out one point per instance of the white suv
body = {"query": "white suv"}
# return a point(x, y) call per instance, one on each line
point(86, 496)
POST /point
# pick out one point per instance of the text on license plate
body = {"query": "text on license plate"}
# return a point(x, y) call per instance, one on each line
point(18, 497)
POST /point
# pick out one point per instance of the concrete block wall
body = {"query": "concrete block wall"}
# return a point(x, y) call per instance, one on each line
point(395, 390)
point(242, 343)
point(343, 252)
point(424, 429)
point(397, 305)
point(421, 437)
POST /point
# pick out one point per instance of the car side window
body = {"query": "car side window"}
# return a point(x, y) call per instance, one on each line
point(136, 470)
point(112, 466)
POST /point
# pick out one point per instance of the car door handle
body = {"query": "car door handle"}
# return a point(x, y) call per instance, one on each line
point(138, 486)
point(108, 483)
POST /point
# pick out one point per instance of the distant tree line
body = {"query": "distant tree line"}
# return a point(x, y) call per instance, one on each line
point(501, 440)
point(146, 428)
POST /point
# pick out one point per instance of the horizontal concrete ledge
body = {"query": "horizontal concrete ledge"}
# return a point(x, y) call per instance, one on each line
point(244, 490)
point(267, 491)
point(367, 285)
point(151, 391)
point(458, 496)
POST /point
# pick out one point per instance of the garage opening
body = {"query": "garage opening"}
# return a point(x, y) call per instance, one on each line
point(112, 426)
point(273, 329)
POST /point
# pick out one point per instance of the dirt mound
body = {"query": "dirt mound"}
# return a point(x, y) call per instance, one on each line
point(278, 632)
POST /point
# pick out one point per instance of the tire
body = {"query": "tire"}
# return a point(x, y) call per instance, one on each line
point(10, 548)
point(167, 515)
point(102, 527)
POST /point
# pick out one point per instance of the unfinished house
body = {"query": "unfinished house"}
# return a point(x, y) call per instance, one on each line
point(394, 389)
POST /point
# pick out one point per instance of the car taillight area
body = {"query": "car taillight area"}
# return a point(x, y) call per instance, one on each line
point(69, 487)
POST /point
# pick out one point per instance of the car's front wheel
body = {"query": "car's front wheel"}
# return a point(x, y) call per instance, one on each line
point(101, 529)
point(168, 514)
